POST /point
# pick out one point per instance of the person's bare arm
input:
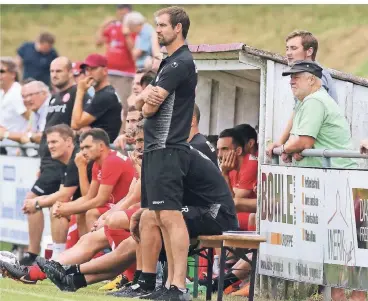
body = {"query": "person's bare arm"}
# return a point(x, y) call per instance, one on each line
point(64, 194)
point(243, 202)
point(153, 101)
point(298, 143)
point(100, 39)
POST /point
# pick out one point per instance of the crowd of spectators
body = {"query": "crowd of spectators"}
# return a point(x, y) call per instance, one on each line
point(75, 111)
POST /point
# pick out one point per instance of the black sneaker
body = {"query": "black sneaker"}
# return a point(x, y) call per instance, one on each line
point(56, 273)
point(133, 291)
point(16, 272)
point(175, 294)
point(41, 263)
point(156, 294)
point(28, 259)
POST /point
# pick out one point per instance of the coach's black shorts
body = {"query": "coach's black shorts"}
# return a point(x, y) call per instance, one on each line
point(163, 173)
point(49, 180)
point(211, 220)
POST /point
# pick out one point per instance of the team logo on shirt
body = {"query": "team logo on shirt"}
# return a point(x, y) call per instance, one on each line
point(66, 97)
point(99, 175)
point(174, 64)
point(52, 101)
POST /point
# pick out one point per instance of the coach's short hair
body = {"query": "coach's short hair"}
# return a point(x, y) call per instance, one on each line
point(247, 132)
point(64, 130)
point(237, 138)
point(97, 135)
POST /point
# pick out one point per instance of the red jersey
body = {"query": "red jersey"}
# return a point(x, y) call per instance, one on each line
point(246, 178)
point(117, 170)
point(119, 58)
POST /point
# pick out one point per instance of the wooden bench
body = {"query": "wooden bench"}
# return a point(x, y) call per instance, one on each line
point(238, 244)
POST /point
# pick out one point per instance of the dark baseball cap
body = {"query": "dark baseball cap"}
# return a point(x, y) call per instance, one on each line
point(94, 60)
point(304, 66)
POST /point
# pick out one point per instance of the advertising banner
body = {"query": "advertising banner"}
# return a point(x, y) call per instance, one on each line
point(316, 224)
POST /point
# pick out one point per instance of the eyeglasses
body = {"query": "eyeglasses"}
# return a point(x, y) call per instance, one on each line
point(31, 94)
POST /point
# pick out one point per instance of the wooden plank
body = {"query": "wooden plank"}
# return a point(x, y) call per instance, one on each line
point(226, 78)
point(211, 243)
point(270, 78)
point(203, 100)
point(241, 244)
point(211, 65)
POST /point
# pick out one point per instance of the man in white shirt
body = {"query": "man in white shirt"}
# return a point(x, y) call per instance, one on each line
point(13, 114)
point(36, 96)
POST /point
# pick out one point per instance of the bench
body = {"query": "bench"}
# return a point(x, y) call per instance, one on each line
point(239, 245)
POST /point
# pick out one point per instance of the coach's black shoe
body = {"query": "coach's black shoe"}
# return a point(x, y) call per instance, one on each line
point(133, 291)
point(16, 272)
point(28, 259)
point(56, 273)
point(175, 294)
point(41, 263)
point(156, 294)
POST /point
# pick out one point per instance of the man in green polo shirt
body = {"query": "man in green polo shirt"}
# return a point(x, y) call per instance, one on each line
point(318, 121)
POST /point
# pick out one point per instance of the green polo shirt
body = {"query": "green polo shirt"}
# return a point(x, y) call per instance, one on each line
point(319, 116)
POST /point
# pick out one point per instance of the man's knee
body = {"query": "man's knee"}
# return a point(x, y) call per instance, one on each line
point(168, 217)
point(148, 219)
point(92, 214)
point(116, 220)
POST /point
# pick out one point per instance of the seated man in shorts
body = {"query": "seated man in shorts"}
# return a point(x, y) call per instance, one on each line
point(112, 174)
point(208, 209)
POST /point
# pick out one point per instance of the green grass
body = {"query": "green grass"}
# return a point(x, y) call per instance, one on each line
point(342, 30)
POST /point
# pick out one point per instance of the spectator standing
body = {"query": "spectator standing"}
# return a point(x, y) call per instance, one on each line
point(36, 57)
point(146, 40)
point(13, 113)
point(120, 62)
point(104, 109)
point(302, 45)
point(318, 121)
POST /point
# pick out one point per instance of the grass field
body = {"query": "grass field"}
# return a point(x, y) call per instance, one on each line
point(342, 30)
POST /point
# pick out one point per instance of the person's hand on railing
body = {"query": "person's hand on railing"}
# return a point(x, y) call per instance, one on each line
point(297, 156)
point(270, 147)
point(364, 147)
point(287, 158)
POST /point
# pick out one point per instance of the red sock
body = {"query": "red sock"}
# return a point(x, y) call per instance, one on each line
point(129, 272)
point(73, 234)
point(35, 273)
point(115, 236)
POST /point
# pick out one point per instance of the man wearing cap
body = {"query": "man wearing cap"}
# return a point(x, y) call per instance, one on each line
point(103, 110)
point(318, 122)
point(80, 74)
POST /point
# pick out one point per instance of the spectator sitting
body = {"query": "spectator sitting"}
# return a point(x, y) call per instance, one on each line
point(14, 115)
point(36, 57)
point(136, 88)
point(36, 96)
point(145, 43)
point(318, 121)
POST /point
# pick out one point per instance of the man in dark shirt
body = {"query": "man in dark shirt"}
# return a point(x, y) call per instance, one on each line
point(168, 106)
point(104, 109)
point(60, 140)
point(199, 141)
point(59, 112)
point(36, 57)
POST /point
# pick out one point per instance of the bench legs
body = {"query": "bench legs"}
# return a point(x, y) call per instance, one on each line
point(209, 274)
point(220, 291)
point(253, 274)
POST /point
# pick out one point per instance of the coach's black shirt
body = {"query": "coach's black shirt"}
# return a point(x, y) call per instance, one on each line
point(105, 106)
point(200, 143)
point(170, 125)
point(70, 176)
point(60, 111)
point(204, 184)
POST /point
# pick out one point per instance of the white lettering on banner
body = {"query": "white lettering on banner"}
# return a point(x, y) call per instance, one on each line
point(314, 219)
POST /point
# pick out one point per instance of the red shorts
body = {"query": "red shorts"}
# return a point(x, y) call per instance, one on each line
point(130, 212)
point(105, 208)
point(243, 218)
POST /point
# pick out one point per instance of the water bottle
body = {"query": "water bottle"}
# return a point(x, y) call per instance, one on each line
point(216, 265)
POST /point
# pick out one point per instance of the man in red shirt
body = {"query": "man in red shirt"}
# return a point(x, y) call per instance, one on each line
point(112, 174)
point(120, 62)
point(237, 152)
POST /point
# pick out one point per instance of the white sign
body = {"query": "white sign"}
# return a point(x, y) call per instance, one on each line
point(17, 175)
point(315, 221)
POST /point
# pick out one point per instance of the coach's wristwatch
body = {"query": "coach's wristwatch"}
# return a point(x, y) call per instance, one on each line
point(37, 206)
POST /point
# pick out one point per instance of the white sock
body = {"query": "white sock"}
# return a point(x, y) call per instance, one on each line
point(57, 249)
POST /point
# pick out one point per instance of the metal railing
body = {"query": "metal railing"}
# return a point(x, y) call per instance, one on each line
point(326, 154)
